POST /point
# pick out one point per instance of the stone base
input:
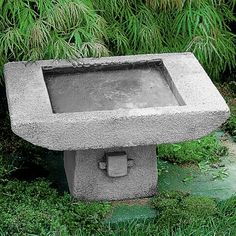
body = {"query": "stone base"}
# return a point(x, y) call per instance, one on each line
point(87, 181)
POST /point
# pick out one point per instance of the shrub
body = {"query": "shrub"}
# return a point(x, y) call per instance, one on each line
point(153, 26)
point(38, 29)
point(69, 29)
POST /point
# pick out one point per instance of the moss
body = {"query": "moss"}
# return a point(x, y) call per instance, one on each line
point(205, 149)
point(36, 208)
point(199, 206)
point(180, 209)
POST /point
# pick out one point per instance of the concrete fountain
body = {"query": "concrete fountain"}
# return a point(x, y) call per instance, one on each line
point(108, 114)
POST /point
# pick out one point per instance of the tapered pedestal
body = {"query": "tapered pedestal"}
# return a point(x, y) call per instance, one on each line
point(112, 174)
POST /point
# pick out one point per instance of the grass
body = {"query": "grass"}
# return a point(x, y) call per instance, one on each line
point(37, 209)
point(181, 214)
point(206, 149)
point(70, 29)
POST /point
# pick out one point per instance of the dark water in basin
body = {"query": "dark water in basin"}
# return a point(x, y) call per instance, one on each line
point(109, 90)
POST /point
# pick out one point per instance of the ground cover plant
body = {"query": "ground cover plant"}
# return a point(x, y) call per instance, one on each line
point(228, 90)
point(230, 126)
point(36, 29)
point(37, 209)
point(206, 149)
point(69, 29)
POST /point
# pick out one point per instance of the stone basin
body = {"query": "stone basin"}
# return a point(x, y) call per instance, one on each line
point(140, 86)
point(107, 115)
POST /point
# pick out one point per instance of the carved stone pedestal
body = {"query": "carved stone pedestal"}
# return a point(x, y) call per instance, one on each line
point(112, 174)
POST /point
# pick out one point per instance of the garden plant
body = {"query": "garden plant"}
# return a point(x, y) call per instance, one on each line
point(70, 29)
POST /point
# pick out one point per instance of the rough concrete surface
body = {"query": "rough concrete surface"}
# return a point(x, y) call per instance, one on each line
point(201, 108)
point(88, 182)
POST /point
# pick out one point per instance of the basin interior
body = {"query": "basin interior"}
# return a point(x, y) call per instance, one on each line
point(110, 87)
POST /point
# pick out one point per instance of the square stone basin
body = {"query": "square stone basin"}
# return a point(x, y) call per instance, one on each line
point(108, 114)
point(112, 102)
point(128, 86)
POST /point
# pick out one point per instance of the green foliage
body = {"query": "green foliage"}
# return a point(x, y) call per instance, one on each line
point(228, 206)
point(180, 209)
point(228, 90)
point(5, 168)
point(184, 214)
point(154, 26)
point(37, 29)
point(44, 29)
point(181, 214)
point(205, 149)
point(230, 126)
point(37, 209)
point(209, 39)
